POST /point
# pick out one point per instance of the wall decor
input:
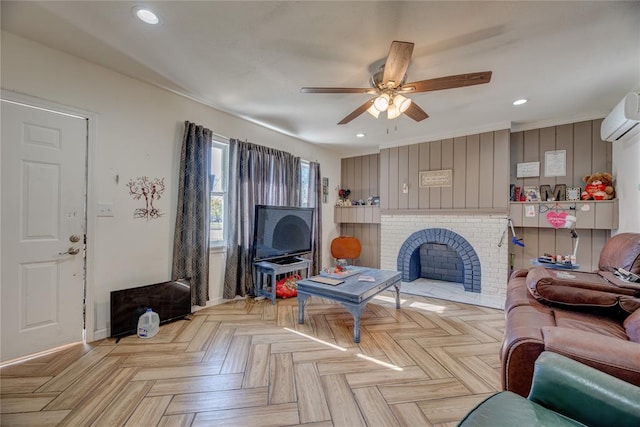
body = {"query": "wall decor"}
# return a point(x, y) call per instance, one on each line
point(555, 163)
point(325, 189)
point(573, 193)
point(439, 178)
point(532, 193)
point(150, 190)
point(527, 170)
point(546, 193)
point(530, 211)
point(560, 192)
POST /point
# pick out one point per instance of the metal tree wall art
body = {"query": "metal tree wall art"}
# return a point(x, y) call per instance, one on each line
point(150, 190)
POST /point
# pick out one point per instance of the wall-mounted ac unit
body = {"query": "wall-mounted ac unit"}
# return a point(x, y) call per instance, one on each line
point(623, 122)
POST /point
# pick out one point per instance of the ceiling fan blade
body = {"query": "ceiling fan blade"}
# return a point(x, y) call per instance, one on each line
point(355, 113)
point(416, 113)
point(338, 90)
point(448, 82)
point(397, 63)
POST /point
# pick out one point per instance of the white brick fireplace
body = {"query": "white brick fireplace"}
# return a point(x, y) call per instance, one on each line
point(481, 231)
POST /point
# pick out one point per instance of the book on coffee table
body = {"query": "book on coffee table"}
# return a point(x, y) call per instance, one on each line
point(326, 280)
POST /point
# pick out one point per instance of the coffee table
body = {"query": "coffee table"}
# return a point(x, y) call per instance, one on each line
point(353, 294)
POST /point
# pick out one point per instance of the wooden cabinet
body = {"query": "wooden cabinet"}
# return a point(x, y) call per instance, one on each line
point(356, 214)
point(595, 215)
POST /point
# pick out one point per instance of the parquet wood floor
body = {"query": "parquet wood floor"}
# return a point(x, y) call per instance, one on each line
point(248, 363)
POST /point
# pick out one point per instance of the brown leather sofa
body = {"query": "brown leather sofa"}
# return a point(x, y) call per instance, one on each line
point(580, 319)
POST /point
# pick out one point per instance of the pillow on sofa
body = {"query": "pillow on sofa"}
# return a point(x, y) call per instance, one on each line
point(632, 326)
point(573, 288)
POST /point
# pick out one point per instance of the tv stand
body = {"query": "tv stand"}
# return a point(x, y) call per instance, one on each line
point(266, 272)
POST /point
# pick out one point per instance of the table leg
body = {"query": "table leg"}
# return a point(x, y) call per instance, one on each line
point(301, 300)
point(273, 288)
point(397, 286)
point(356, 311)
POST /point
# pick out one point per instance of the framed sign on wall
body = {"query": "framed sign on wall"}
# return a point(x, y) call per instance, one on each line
point(439, 178)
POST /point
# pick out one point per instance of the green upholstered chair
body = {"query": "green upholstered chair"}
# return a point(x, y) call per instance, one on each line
point(564, 393)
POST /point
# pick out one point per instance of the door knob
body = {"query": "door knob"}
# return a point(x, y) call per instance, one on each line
point(74, 238)
point(70, 251)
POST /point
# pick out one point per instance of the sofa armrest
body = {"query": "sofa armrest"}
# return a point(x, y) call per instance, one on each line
point(614, 356)
point(584, 394)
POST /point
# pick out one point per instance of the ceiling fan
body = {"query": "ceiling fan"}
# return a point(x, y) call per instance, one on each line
point(389, 86)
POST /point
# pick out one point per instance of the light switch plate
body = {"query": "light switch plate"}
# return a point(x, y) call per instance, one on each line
point(105, 209)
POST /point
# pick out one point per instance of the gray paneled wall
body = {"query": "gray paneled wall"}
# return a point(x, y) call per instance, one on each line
point(480, 165)
point(586, 153)
point(483, 167)
point(361, 175)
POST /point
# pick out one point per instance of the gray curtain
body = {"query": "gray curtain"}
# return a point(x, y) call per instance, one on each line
point(315, 201)
point(258, 176)
point(191, 240)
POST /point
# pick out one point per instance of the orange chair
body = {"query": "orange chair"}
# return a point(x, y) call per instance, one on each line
point(345, 248)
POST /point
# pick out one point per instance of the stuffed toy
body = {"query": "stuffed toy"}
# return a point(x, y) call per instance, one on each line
point(287, 287)
point(599, 187)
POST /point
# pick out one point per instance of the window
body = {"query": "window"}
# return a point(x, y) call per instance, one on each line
point(304, 183)
point(219, 174)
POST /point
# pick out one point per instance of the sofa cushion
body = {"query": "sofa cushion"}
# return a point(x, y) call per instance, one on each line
point(577, 289)
point(617, 357)
point(621, 250)
point(594, 323)
point(632, 326)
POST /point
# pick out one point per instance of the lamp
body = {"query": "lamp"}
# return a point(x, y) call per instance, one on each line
point(373, 111)
point(403, 103)
point(382, 102)
point(570, 224)
point(393, 111)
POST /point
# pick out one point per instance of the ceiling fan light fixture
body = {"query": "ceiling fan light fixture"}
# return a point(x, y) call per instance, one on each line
point(382, 102)
point(373, 111)
point(402, 102)
point(393, 111)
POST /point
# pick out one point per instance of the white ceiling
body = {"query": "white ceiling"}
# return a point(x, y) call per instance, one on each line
point(573, 60)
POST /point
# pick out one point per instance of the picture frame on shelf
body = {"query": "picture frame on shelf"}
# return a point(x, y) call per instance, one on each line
point(532, 193)
point(573, 193)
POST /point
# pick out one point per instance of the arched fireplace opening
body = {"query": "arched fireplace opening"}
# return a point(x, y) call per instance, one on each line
point(441, 254)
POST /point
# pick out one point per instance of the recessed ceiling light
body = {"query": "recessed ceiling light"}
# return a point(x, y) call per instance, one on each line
point(360, 135)
point(520, 101)
point(146, 16)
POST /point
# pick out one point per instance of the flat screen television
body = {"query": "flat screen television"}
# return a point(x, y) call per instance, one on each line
point(281, 232)
point(171, 300)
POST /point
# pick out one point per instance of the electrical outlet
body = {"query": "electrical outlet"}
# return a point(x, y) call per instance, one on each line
point(105, 209)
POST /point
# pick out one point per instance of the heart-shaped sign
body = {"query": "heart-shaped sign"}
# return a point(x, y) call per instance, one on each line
point(557, 220)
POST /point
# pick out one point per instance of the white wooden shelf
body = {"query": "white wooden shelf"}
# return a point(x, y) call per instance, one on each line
point(356, 214)
point(590, 214)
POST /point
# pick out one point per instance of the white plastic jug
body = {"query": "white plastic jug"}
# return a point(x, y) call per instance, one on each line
point(148, 324)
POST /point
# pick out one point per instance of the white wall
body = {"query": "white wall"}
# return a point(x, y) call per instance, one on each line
point(138, 133)
point(626, 170)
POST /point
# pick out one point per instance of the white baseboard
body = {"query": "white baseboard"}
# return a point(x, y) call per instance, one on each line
point(100, 334)
point(210, 303)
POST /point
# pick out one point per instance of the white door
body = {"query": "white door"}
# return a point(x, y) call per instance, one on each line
point(43, 227)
